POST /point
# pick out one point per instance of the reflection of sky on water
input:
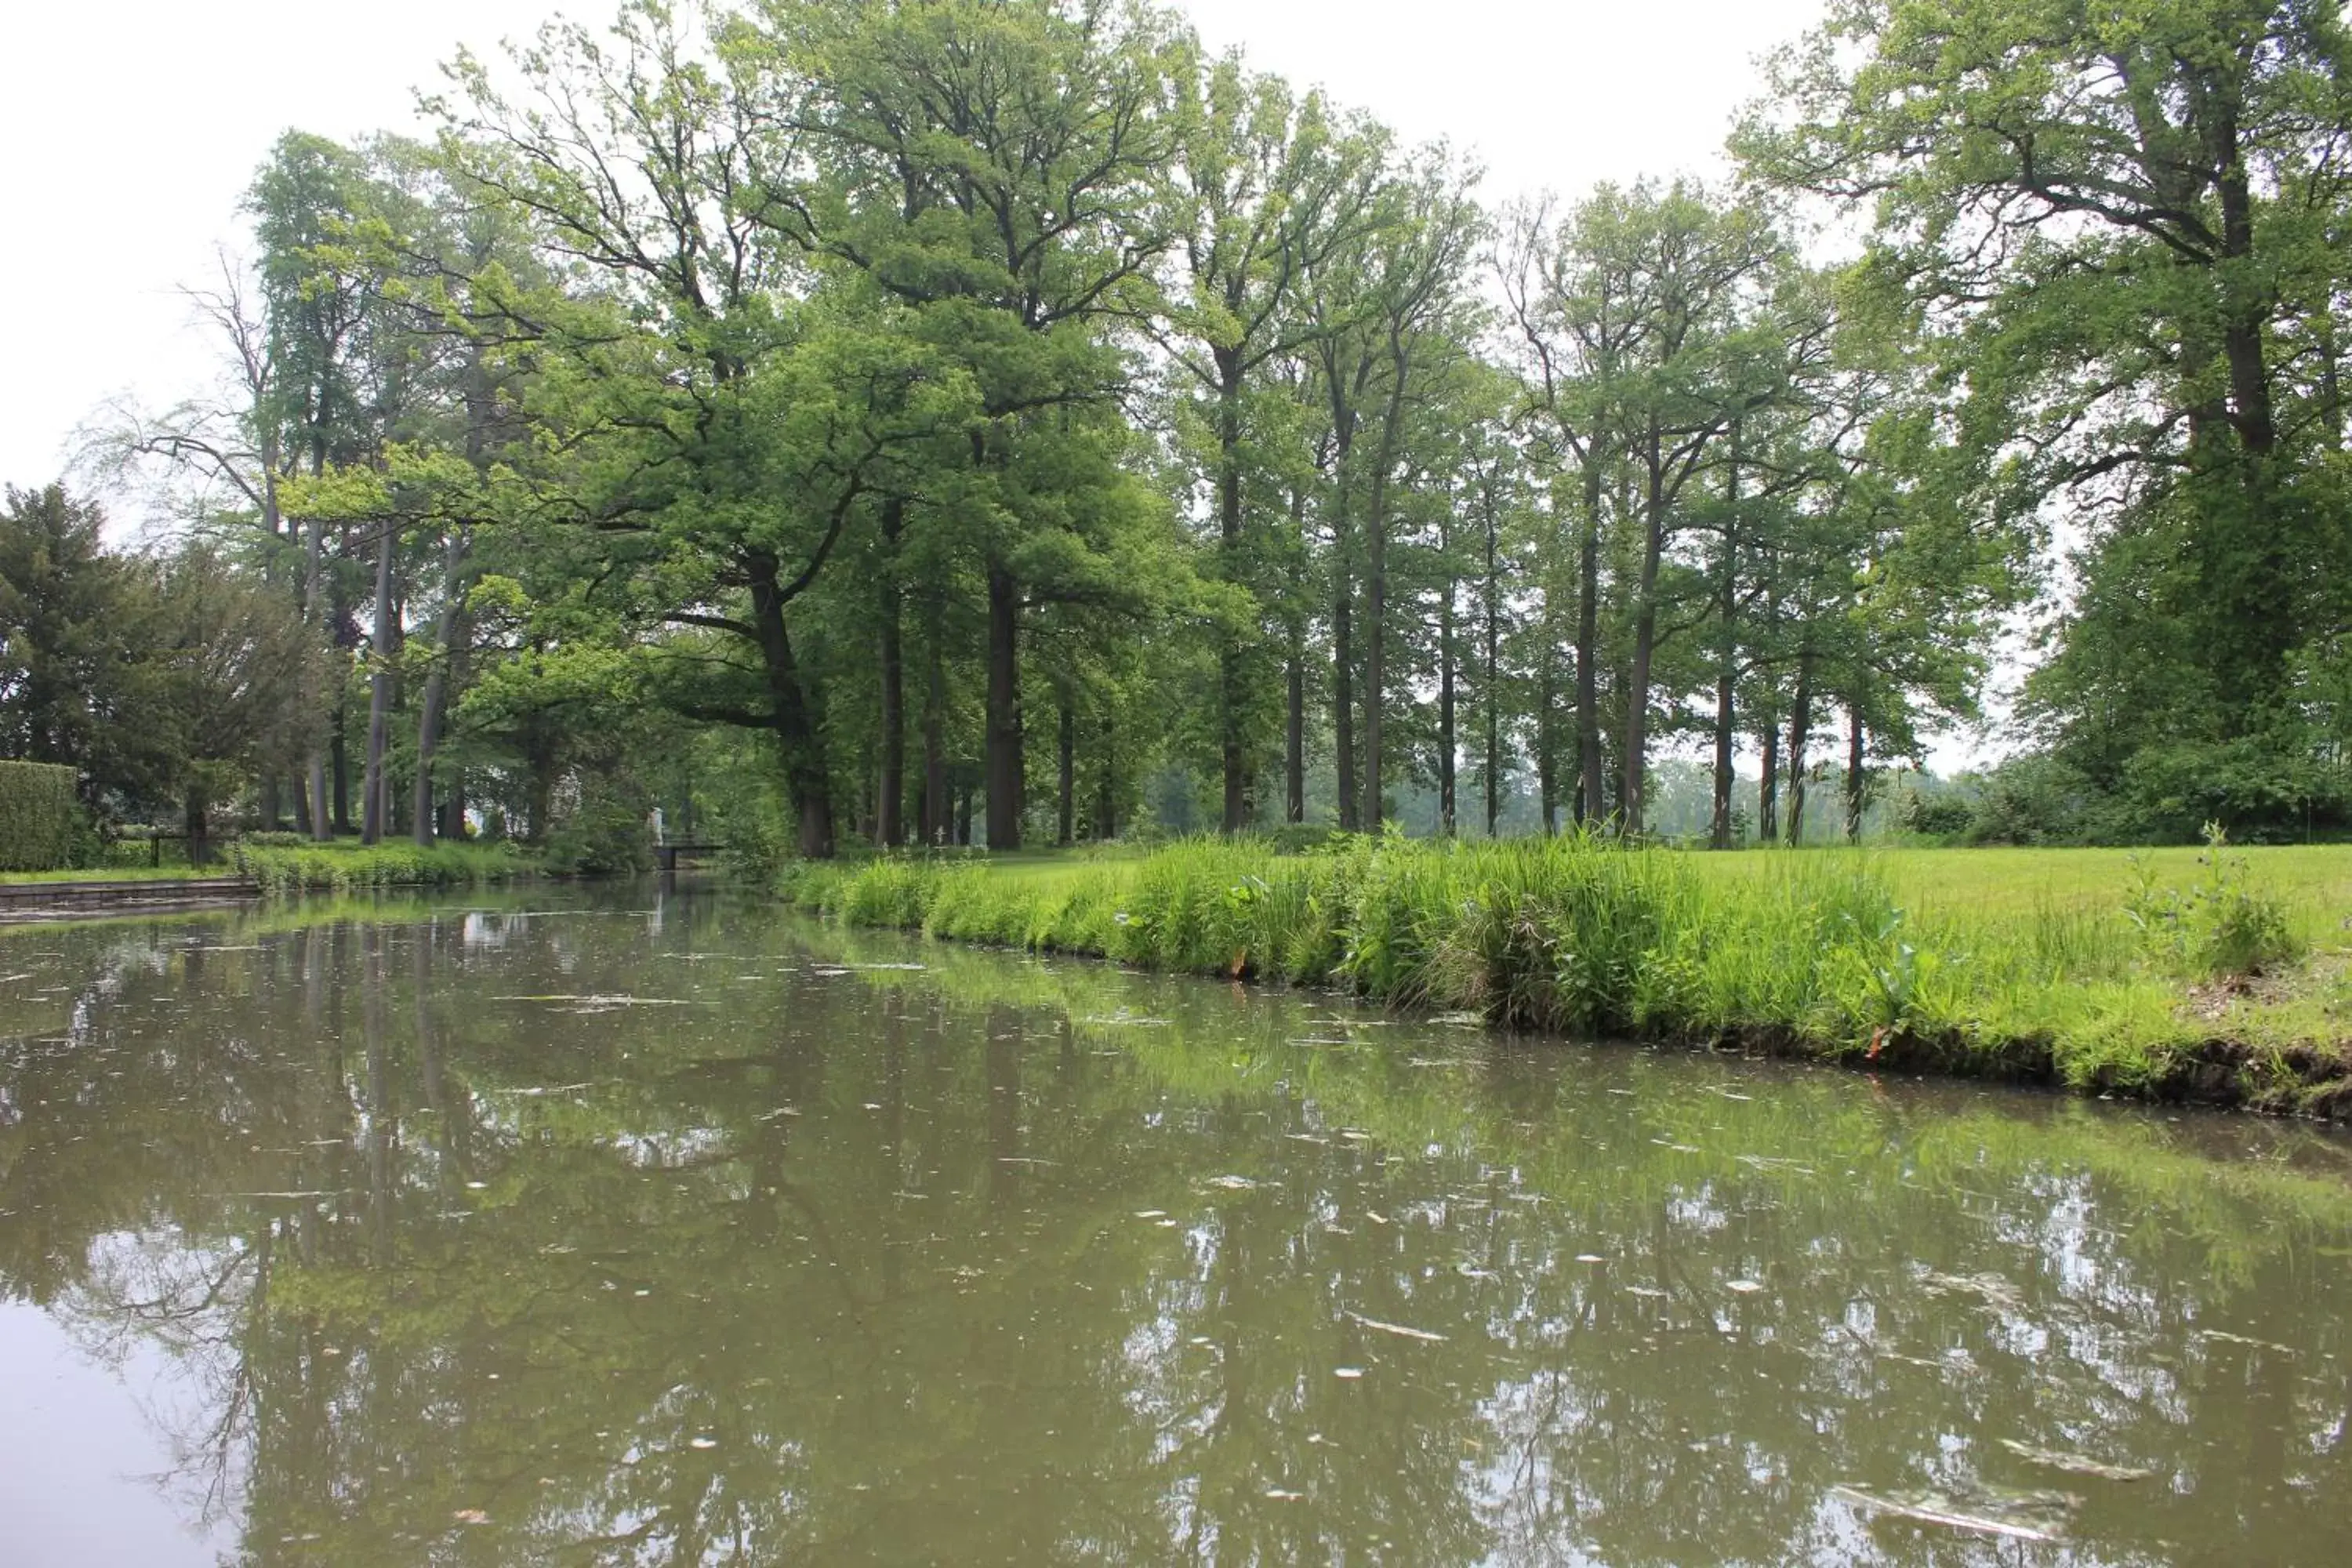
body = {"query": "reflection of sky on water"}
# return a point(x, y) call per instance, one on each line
point(80, 1452)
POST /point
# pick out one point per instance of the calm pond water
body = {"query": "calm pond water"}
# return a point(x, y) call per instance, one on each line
point(679, 1231)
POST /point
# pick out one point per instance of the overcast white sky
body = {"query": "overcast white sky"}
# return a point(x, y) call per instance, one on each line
point(128, 129)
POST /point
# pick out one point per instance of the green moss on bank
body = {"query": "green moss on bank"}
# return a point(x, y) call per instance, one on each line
point(1806, 955)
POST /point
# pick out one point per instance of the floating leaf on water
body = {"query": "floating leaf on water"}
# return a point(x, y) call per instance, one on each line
point(1232, 1183)
point(2242, 1340)
point(1989, 1289)
point(605, 999)
point(1376, 1216)
point(1771, 1162)
point(1399, 1329)
point(1348, 1373)
point(1744, 1287)
point(702, 1442)
point(1646, 1292)
point(1591, 1258)
point(2028, 1519)
point(470, 1516)
point(1276, 1494)
point(1472, 1271)
point(2074, 1464)
point(1151, 1214)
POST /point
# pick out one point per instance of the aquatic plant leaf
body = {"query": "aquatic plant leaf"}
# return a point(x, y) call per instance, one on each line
point(1399, 1329)
point(2074, 1464)
point(1938, 1508)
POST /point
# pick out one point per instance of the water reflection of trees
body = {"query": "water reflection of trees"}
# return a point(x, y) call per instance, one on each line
point(849, 1265)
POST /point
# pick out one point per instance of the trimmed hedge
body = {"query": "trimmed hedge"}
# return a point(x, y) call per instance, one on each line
point(37, 816)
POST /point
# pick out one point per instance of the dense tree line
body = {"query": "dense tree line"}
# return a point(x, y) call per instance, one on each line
point(969, 419)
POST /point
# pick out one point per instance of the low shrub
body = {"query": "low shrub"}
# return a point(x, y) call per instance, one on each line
point(2219, 927)
point(343, 869)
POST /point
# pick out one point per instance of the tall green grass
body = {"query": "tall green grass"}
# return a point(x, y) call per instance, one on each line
point(346, 868)
point(1807, 955)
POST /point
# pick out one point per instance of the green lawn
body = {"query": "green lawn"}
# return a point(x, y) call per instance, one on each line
point(120, 874)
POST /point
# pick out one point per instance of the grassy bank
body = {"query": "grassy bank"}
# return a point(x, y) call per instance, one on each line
point(2215, 977)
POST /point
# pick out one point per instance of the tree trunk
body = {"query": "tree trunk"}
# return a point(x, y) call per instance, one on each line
point(1004, 758)
point(934, 824)
point(375, 797)
point(1066, 814)
point(340, 760)
point(1726, 664)
point(890, 793)
point(543, 796)
point(1232, 674)
point(1491, 686)
point(1294, 739)
point(1646, 638)
point(1548, 735)
point(314, 606)
point(1588, 762)
point(1343, 623)
point(1376, 599)
point(806, 775)
point(1767, 788)
point(1857, 780)
point(437, 689)
point(1800, 726)
point(198, 822)
point(1445, 736)
point(1376, 609)
point(1107, 789)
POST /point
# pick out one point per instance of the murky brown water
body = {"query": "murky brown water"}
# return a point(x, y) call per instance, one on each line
point(698, 1235)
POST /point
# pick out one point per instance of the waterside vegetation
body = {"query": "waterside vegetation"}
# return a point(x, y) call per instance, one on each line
point(2178, 975)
